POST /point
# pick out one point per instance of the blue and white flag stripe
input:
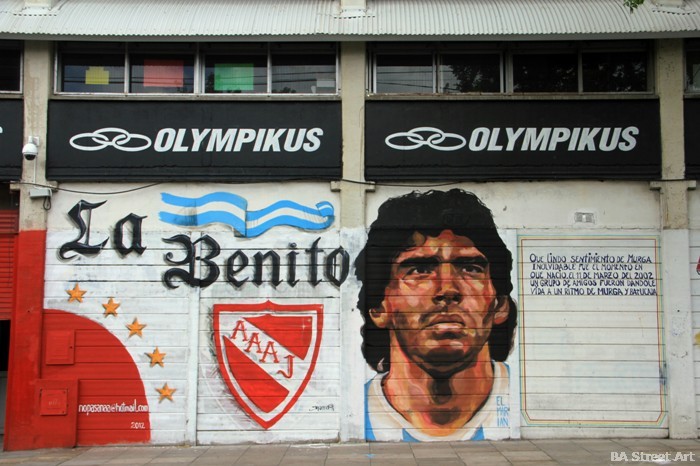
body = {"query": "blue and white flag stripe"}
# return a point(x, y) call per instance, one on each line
point(231, 209)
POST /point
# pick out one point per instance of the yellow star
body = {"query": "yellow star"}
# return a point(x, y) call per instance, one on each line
point(156, 357)
point(110, 307)
point(135, 328)
point(166, 392)
point(76, 294)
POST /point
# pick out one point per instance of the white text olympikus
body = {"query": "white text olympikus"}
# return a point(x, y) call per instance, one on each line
point(518, 139)
point(203, 139)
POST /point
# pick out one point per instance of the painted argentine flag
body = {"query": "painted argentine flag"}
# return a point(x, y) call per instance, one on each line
point(232, 210)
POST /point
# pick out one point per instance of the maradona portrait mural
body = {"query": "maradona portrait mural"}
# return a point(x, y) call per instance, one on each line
point(439, 319)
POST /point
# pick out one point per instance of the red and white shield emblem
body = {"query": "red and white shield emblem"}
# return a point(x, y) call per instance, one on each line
point(267, 353)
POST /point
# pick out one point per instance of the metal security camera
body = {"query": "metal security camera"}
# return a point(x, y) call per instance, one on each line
point(30, 149)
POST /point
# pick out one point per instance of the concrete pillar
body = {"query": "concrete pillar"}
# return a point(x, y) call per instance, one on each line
point(352, 222)
point(675, 242)
point(38, 79)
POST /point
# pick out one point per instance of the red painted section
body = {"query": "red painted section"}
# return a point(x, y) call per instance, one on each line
point(259, 387)
point(25, 345)
point(112, 404)
point(90, 393)
point(297, 342)
point(8, 246)
point(249, 384)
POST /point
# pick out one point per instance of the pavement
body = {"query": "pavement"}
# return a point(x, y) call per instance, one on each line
point(589, 452)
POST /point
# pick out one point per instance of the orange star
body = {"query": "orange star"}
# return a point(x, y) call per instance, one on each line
point(76, 294)
point(135, 328)
point(110, 307)
point(156, 357)
point(166, 392)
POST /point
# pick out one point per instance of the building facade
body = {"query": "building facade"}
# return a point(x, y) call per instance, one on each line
point(342, 220)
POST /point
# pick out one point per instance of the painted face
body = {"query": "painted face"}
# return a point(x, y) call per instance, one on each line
point(440, 304)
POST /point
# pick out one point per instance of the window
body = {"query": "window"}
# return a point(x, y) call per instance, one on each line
point(161, 72)
point(300, 69)
point(242, 72)
point(477, 72)
point(562, 67)
point(404, 73)
point(303, 74)
point(614, 71)
point(693, 70)
point(83, 71)
point(10, 66)
point(692, 65)
point(544, 72)
point(255, 68)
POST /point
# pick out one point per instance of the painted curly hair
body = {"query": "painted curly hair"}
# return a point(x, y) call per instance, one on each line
point(429, 213)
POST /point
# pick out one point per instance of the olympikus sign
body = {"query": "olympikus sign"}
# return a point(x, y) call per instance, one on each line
point(206, 141)
point(523, 139)
point(512, 139)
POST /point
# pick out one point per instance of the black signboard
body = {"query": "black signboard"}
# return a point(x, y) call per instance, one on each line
point(691, 108)
point(226, 141)
point(513, 139)
point(11, 118)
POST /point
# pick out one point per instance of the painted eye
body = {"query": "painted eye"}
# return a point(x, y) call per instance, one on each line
point(476, 266)
point(418, 267)
point(472, 268)
point(421, 269)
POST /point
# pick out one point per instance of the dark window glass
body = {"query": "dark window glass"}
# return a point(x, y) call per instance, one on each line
point(162, 73)
point(9, 70)
point(614, 71)
point(470, 73)
point(303, 74)
point(92, 73)
point(404, 74)
point(554, 72)
point(235, 73)
point(4, 345)
point(692, 63)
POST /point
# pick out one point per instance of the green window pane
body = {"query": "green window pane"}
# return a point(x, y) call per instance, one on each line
point(234, 77)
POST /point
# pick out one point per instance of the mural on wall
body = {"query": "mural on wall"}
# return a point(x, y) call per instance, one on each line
point(112, 406)
point(591, 331)
point(231, 209)
point(259, 281)
point(439, 321)
point(266, 354)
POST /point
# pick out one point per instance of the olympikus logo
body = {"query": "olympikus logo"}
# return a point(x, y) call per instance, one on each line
point(578, 139)
point(203, 140)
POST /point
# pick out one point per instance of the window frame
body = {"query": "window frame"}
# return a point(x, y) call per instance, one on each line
point(433, 74)
point(161, 50)
point(87, 49)
point(200, 53)
point(478, 51)
point(297, 48)
point(12, 45)
point(218, 49)
point(507, 50)
point(690, 45)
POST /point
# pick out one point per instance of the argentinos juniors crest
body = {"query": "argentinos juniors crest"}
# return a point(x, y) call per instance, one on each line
point(267, 353)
